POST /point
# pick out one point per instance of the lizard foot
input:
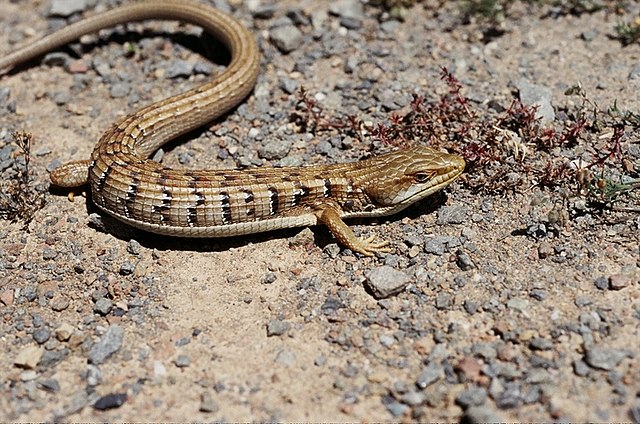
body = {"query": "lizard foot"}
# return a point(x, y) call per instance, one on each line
point(368, 247)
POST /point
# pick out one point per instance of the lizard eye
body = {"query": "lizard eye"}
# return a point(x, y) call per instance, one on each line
point(421, 177)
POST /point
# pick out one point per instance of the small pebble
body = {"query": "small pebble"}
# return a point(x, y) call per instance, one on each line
point(473, 396)
point(182, 361)
point(64, 332)
point(386, 281)
point(269, 278)
point(93, 376)
point(429, 375)
point(537, 95)
point(207, 404)
point(413, 398)
point(540, 343)
point(76, 403)
point(103, 306)
point(134, 247)
point(440, 244)
point(464, 261)
point(56, 59)
point(601, 283)
point(6, 297)
point(119, 90)
point(395, 408)
point(518, 304)
point(619, 281)
point(65, 8)
point(127, 268)
point(28, 357)
point(179, 69)
point(448, 215)
point(77, 67)
point(277, 328)
point(109, 344)
point(110, 401)
point(352, 9)
point(286, 38)
point(51, 385)
point(59, 303)
point(387, 341)
point(482, 414)
point(48, 253)
point(538, 294)
point(41, 335)
point(604, 358)
point(580, 368)
point(286, 358)
point(470, 306)
point(443, 301)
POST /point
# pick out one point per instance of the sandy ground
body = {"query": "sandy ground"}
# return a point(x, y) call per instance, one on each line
point(104, 323)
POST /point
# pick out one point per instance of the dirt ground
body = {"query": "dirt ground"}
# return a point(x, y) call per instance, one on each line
point(503, 315)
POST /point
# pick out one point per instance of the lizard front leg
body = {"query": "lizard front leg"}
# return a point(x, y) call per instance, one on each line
point(328, 214)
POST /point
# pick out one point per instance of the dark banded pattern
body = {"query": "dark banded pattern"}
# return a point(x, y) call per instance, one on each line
point(102, 179)
point(192, 216)
point(130, 196)
point(225, 208)
point(249, 200)
point(274, 202)
point(326, 188)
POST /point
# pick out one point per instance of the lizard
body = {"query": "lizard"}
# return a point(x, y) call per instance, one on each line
point(143, 193)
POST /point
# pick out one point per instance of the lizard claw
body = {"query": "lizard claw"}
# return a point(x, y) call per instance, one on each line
point(368, 247)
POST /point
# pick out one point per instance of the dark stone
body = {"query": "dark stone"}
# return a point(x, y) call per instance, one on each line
point(110, 401)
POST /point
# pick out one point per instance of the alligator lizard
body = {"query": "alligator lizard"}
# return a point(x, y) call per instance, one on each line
point(128, 185)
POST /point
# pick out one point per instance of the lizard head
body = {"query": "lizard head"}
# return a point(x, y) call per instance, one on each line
point(406, 176)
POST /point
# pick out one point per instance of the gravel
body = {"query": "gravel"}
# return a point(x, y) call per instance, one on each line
point(277, 328)
point(385, 281)
point(66, 8)
point(179, 69)
point(473, 396)
point(286, 358)
point(286, 38)
point(182, 361)
point(604, 358)
point(103, 306)
point(207, 404)
point(395, 408)
point(41, 335)
point(440, 244)
point(429, 375)
point(450, 215)
point(110, 401)
point(481, 414)
point(108, 344)
point(51, 385)
point(539, 96)
point(28, 357)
